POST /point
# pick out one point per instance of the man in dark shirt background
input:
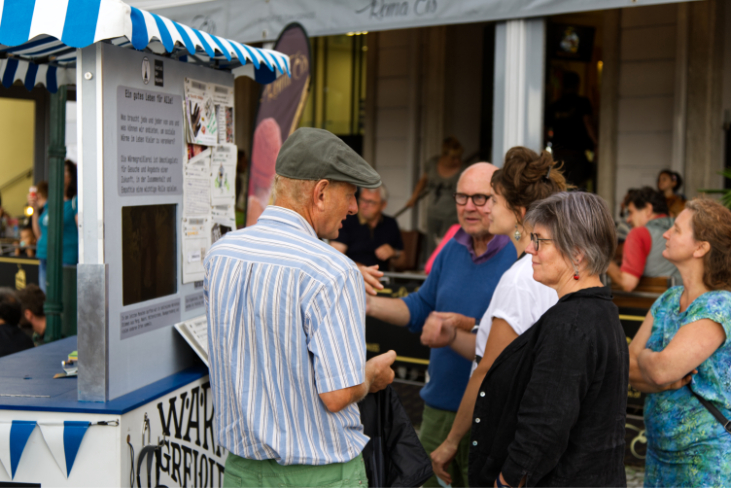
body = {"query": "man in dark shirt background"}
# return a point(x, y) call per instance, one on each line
point(370, 237)
point(569, 121)
point(12, 339)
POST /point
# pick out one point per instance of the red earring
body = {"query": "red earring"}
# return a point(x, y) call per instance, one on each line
point(576, 274)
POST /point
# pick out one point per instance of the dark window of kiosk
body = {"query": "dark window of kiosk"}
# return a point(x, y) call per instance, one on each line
point(149, 250)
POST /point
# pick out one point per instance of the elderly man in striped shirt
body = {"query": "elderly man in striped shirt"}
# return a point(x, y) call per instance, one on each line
point(286, 328)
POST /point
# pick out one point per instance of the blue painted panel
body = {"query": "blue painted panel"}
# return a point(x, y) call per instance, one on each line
point(30, 373)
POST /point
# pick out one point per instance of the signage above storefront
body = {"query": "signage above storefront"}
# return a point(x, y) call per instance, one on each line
point(262, 20)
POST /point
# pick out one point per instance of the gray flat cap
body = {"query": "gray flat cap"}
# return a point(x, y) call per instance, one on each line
point(317, 154)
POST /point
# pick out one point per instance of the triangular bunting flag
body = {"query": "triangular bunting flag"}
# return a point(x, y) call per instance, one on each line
point(20, 431)
point(73, 434)
point(53, 435)
point(5, 445)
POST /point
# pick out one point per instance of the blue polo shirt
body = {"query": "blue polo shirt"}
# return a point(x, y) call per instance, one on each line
point(463, 283)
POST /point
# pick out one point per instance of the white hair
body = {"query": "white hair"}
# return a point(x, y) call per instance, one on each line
point(382, 190)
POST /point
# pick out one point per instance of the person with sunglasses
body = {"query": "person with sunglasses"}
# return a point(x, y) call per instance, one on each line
point(518, 301)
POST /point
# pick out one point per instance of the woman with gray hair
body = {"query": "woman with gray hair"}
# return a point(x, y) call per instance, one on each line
point(551, 410)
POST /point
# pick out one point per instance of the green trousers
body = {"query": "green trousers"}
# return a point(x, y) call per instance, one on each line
point(242, 472)
point(435, 427)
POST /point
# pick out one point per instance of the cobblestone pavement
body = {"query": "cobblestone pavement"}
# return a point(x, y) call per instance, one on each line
point(635, 476)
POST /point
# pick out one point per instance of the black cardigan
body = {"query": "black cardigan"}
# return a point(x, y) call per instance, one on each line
point(553, 406)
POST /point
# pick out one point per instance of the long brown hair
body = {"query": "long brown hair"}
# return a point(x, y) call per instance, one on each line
point(527, 177)
point(711, 223)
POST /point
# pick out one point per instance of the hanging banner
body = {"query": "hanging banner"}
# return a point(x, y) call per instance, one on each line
point(260, 21)
point(280, 108)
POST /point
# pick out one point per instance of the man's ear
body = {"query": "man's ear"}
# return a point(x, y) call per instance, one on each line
point(28, 315)
point(318, 194)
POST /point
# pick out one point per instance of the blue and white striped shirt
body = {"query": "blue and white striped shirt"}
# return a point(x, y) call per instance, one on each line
point(286, 322)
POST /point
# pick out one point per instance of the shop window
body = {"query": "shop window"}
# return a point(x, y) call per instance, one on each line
point(336, 101)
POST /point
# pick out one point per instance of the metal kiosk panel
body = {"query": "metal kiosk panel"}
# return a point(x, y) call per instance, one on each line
point(133, 148)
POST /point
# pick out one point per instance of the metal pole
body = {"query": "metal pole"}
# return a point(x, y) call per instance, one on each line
point(57, 153)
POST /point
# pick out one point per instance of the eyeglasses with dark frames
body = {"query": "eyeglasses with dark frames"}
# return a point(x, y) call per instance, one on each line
point(537, 240)
point(478, 199)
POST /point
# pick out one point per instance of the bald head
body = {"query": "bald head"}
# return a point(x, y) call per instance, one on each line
point(474, 181)
point(478, 171)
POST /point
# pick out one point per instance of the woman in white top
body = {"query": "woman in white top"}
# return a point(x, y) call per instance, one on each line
point(518, 301)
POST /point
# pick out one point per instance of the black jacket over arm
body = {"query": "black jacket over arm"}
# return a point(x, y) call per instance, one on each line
point(554, 402)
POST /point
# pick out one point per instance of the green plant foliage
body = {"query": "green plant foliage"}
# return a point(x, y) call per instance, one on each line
point(725, 194)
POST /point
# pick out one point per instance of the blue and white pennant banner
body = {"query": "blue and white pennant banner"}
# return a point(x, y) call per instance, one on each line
point(63, 440)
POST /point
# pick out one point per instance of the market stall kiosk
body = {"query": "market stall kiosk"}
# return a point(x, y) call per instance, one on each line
point(156, 186)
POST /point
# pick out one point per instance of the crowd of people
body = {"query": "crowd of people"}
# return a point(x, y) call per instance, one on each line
point(529, 365)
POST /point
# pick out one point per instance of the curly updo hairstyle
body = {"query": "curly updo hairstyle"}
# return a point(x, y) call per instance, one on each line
point(527, 177)
point(711, 223)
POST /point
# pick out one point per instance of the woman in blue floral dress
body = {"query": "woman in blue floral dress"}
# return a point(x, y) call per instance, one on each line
point(684, 344)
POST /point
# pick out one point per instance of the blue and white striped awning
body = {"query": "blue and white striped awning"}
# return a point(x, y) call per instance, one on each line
point(39, 41)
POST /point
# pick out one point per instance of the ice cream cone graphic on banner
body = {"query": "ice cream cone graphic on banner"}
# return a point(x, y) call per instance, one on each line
point(280, 109)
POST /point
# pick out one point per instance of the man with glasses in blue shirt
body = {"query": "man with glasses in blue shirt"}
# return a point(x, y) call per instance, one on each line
point(458, 289)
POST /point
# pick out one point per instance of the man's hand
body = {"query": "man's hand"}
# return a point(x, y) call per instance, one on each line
point(437, 332)
point(457, 320)
point(378, 375)
point(380, 369)
point(502, 480)
point(385, 252)
point(441, 458)
point(371, 277)
point(440, 328)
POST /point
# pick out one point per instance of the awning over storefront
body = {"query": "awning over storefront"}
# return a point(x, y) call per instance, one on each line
point(39, 41)
point(257, 20)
